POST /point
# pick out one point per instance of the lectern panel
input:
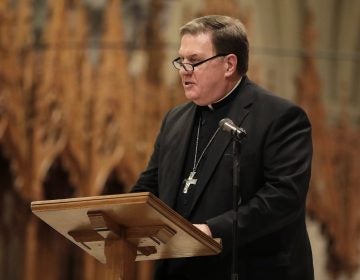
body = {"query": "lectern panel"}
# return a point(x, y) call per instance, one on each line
point(157, 230)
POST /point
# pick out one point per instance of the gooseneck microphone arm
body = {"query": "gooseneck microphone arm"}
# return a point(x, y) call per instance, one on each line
point(237, 134)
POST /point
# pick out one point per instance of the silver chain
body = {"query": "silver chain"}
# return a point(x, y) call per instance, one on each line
point(196, 164)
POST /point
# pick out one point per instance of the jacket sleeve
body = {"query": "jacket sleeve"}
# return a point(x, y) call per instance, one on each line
point(148, 179)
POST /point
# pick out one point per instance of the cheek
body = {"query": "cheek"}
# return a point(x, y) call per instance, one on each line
point(209, 83)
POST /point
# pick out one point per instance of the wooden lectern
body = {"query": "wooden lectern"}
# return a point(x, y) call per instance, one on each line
point(121, 229)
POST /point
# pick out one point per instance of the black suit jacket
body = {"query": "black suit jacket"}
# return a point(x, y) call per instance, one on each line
point(275, 167)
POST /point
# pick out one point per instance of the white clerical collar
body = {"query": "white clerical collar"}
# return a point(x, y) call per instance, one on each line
point(226, 95)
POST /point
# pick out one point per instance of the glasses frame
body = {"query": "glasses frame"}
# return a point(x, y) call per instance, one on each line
point(178, 65)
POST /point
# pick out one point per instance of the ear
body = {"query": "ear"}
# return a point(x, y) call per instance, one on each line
point(230, 65)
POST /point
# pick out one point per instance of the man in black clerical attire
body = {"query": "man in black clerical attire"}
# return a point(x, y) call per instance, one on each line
point(191, 168)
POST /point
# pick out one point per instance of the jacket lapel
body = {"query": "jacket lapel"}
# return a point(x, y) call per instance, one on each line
point(181, 133)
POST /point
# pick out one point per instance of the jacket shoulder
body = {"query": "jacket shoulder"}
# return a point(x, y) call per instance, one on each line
point(271, 102)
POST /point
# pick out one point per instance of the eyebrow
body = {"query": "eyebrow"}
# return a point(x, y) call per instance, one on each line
point(191, 57)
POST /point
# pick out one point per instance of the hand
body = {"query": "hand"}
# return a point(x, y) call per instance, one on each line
point(204, 228)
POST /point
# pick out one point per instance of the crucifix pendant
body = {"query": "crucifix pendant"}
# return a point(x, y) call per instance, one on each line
point(189, 181)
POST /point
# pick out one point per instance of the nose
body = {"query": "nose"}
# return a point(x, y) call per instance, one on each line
point(183, 72)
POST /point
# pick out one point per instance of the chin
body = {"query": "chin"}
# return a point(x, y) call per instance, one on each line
point(199, 102)
point(194, 97)
point(191, 96)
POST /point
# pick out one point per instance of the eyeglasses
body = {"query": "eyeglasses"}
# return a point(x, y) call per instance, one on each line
point(189, 67)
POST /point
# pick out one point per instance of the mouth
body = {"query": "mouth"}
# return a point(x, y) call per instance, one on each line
point(186, 83)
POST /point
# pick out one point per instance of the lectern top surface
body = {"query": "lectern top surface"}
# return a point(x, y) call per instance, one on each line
point(131, 211)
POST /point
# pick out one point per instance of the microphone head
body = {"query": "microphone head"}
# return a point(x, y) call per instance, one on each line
point(228, 125)
point(224, 122)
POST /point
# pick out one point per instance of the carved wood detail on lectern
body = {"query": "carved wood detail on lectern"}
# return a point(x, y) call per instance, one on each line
point(144, 239)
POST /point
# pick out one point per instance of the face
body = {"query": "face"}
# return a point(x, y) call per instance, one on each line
point(207, 83)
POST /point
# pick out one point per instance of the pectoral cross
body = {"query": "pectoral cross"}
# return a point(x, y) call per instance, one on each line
point(189, 181)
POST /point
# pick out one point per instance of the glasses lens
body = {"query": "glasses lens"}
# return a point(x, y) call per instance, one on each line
point(177, 63)
point(188, 67)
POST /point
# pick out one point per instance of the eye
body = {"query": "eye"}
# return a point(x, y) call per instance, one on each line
point(192, 59)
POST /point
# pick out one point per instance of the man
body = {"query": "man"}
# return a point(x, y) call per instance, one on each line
point(191, 166)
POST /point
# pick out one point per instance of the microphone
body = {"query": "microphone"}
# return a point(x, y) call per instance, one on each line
point(237, 132)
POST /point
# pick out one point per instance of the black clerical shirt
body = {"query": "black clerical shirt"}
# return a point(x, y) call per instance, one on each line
point(208, 117)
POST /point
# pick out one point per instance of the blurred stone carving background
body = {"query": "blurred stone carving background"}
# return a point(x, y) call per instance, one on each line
point(85, 83)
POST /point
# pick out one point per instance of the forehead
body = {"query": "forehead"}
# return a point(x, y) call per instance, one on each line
point(198, 44)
